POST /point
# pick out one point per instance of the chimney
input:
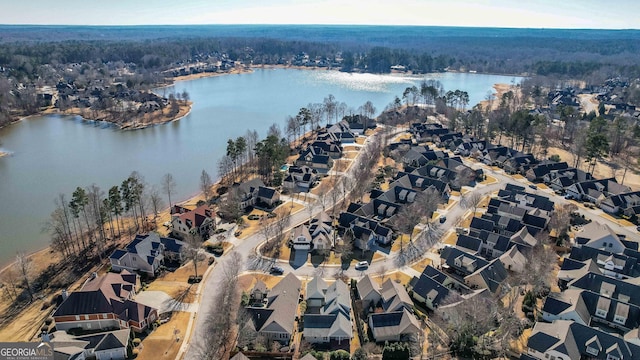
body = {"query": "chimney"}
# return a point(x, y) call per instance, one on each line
point(65, 294)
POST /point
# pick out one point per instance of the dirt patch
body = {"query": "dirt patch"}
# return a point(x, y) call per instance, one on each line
point(602, 170)
point(500, 89)
point(177, 290)
point(27, 325)
point(397, 276)
point(420, 265)
point(248, 281)
point(181, 275)
point(165, 341)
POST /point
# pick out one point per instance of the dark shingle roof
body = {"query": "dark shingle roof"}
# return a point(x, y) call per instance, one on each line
point(542, 342)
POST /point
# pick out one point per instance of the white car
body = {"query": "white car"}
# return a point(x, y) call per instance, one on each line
point(362, 265)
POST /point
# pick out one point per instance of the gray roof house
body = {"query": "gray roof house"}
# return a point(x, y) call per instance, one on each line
point(332, 322)
point(433, 286)
point(566, 339)
point(368, 291)
point(600, 236)
point(110, 345)
point(591, 309)
point(145, 253)
point(393, 326)
point(275, 320)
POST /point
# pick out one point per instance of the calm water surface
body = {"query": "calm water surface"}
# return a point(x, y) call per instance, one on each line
point(54, 154)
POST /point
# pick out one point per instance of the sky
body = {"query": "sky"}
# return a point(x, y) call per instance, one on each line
point(584, 14)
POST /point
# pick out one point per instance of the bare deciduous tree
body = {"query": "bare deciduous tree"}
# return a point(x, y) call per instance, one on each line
point(205, 185)
point(471, 200)
point(24, 269)
point(168, 185)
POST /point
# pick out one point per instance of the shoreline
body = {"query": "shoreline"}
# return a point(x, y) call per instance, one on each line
point(499, 88)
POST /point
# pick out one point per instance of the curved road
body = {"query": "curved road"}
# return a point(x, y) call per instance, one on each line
point(247, 247)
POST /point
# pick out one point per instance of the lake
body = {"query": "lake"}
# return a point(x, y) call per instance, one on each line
point(54, 154)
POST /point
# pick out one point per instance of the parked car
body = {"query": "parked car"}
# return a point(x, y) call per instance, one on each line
point(533, 186)
point(362, 265)
point(253, 217)
point(276, 270)
point(443, 219)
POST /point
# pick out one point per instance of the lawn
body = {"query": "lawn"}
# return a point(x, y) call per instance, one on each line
point(397, 276)
point(165, 341)
point(247, 282)
point(420, 265)
point(179, 291)
point(181, 275)
point(489, 180)
point(341, 165)
point(451, 238)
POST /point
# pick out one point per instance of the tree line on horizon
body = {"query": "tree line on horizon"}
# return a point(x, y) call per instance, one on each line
point(140, 64)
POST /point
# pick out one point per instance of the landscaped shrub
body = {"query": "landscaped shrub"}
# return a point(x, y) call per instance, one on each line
point(339, 355)
point(396, 351)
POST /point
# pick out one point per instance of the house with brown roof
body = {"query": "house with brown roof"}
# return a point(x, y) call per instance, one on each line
point(105, 302)
point(201, 220)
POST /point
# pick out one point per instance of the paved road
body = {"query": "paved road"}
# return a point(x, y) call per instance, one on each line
point(247, 248)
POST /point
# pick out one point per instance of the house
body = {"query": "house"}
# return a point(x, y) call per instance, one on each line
point(428, 290)
point(538, 172)
point(365, 231)
point(399, 325)
point(619, 265)
point(596, 191)
point(255, 193)
point(459, 262)
point(200, 220)
point(394, 297)
point(275, 319)
point(301, 238)
point(625, 203)
point(105, 302)
point(321, 230)
point(489, 276)
point(611, 287)
point(600, 236)
point(317, 234)
point(331, 322)
point(514, 260)
point(469, 147)
point(268, 197)
point(315, 159)
point(566, 339)
point(316, 290)
point(110, 345)
point(300, 178)
point(519, 163)
point(369, 292)
point(145, 253)
point(591, 309)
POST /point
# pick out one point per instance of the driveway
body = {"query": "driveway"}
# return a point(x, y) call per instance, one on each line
point(163, 302)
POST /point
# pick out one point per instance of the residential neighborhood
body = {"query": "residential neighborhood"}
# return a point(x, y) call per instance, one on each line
point(364, 237)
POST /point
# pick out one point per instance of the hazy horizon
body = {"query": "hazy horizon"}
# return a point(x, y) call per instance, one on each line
point(541, 14)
